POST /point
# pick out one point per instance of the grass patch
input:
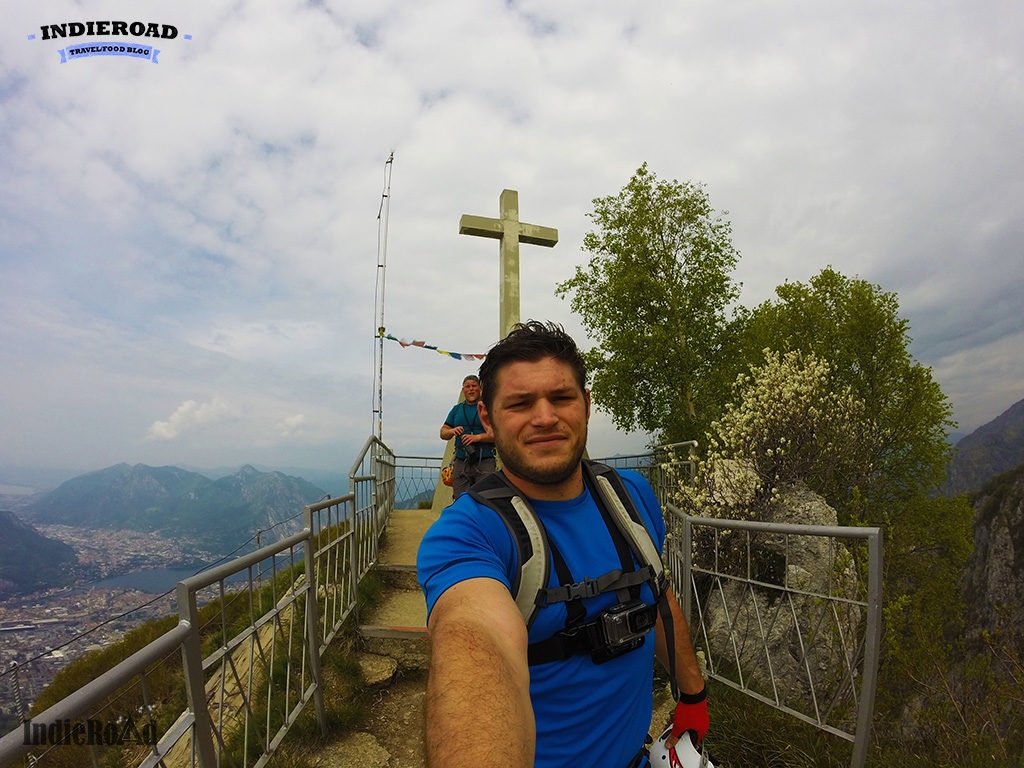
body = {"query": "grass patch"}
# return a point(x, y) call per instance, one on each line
point(346, 703)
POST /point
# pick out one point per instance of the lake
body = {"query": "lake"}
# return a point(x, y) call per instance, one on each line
point(156, 581)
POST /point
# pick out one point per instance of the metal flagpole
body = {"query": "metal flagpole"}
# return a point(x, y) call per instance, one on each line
point(382, 260)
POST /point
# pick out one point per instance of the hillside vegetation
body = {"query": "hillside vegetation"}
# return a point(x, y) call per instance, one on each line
point(29, 560)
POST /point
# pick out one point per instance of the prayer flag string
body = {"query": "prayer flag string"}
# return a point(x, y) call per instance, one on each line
point(424, 345)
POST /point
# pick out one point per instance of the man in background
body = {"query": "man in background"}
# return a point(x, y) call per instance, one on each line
point(474, 443)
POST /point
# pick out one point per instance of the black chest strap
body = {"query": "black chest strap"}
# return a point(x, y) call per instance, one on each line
point(632, 542)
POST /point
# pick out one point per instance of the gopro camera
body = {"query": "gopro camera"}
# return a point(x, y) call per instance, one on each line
point(623, 628)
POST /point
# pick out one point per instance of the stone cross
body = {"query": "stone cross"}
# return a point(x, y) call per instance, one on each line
point(511, 232)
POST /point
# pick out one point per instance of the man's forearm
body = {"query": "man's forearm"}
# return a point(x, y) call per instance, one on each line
point(688, 674)
point(478, 694)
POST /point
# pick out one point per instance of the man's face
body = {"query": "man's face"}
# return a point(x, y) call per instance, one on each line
point(539, 417)
point(471, 391)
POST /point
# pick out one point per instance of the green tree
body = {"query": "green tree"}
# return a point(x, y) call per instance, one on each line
point(654, 296)
point(792, 421)
point(856, 327)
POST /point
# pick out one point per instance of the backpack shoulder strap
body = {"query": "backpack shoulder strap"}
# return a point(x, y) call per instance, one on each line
point(617, 499)
point(616, 496)
point(495, 492)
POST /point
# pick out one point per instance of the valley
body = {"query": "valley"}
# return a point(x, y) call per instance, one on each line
point(38, 630)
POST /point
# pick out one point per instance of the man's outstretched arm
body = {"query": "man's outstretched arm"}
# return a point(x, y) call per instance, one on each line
point(691, 713)
point(478, 692)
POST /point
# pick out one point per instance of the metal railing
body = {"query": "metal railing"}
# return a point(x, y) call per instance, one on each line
point(250, 656)
point(248, 660)
point(784, 615)
point(758, 588)
point(664, 468)
point(416, 479)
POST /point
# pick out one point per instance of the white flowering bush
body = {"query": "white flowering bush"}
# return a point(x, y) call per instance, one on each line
point(788, 422)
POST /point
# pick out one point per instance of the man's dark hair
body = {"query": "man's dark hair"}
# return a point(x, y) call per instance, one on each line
point(529, 342)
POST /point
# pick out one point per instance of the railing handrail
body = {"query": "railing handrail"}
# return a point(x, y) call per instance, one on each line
point(93, 692)
point(370, 441)
point(221, 572)
point(325, 503)
point(836, 531)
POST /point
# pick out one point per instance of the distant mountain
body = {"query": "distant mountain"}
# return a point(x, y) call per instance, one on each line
point(990, 450)
point(413, 502)
point(30, 561)
point(178, 503)
point(333, 481)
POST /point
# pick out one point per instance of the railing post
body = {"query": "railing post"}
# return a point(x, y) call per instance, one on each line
point(353, 551)
point(872, 641)
point(195, 686)
point(313, 621)
point(687, 575)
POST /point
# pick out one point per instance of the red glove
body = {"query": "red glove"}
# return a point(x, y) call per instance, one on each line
point(691, 714)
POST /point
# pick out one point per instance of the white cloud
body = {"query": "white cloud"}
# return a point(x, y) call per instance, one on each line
point(208, 224)
point(191, 416)
point(291, 426)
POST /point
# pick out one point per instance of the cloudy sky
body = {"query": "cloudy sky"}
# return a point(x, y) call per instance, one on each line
point(189, 248)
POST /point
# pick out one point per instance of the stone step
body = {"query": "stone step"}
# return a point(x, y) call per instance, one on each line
point(397, 625)
point(408, 646)
point(400, 576)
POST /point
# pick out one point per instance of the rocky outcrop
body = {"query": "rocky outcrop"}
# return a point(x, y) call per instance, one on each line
point(792, 645)
point(993, 583)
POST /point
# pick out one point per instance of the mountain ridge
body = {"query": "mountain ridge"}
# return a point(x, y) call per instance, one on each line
point(178, 503)
point(990, 450)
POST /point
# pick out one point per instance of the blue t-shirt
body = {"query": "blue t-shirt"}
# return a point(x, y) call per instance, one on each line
point(466, 416)
point(586, 714)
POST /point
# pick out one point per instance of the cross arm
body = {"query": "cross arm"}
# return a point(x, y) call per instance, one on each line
point(537, 235)
point(481, 226)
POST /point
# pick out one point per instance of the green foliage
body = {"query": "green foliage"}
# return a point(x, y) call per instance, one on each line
point(795, 421)
point(856, 327)
point(654, 294)
point(926, 551)
point(789, 423)
point(826, 394)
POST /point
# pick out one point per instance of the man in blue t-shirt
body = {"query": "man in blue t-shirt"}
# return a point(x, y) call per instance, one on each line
point(495, 695)
point(474, 443)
